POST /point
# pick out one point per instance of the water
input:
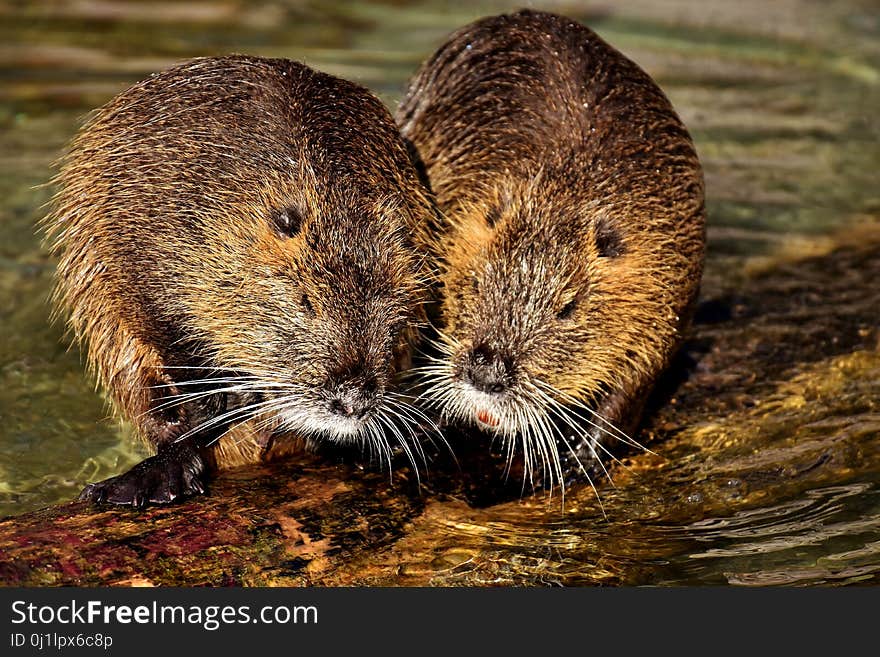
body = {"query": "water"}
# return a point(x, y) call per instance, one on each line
point(768, 463)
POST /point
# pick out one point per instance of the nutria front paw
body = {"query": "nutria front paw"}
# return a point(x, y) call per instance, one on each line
point(174, 472)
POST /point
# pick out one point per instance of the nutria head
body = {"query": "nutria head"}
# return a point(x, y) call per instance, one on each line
point(552, 295)
point(312, 300)
point(245, 227)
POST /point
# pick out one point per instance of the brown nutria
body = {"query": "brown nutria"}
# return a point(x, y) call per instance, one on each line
point(236, 251)
point(575, 234)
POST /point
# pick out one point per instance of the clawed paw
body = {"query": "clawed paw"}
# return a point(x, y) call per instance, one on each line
point(175, 472)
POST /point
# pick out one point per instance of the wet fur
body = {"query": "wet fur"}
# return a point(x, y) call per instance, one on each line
point(171, 267)
point(575, 232)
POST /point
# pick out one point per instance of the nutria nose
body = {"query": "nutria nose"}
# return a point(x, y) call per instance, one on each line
point(353, 406)
point(486, 370)
point(352, 393)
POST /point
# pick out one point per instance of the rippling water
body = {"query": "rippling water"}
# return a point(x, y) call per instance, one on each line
point(781, 99)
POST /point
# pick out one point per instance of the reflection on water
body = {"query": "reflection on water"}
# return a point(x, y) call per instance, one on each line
point(815, 533)
point(781, 100)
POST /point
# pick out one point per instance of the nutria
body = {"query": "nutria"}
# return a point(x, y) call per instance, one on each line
point(575, 234)
point(236, 239)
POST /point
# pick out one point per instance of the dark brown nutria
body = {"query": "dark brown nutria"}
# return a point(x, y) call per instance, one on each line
point(575, 234)
point(236, 251)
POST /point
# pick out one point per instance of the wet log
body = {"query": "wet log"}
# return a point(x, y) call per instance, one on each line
point(278, 524)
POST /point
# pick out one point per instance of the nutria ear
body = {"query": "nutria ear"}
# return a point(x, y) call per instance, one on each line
point(609, 243)
point(287, 221)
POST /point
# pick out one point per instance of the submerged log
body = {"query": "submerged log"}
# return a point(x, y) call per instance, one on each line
point(801, 332)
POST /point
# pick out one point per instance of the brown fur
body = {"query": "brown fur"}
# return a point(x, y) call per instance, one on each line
point(574, 244)
point(170, 258)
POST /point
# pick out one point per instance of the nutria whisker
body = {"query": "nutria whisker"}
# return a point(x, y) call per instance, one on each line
point(578, 405)
point(406, 402)
point(389, 424)
point(391, 410)
point(561, 413)
point(238, 414)
point(529, 448)
point(533, 443)
point(440, 386)
point(418, 419)
point(542, 421)
point(564, 413)
point(182, 397)
point(193, 382)
point(437, 366)
point(446, 343)
point(610, 430)
point(580, 466)
point(202, 368)
point(537, 427)
point(383, 449)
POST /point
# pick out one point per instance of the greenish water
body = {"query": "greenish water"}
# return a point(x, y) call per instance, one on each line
point(781, 99)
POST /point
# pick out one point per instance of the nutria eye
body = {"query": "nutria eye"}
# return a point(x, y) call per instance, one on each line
point(307, 305)
point(287, 221)
point(567, 310)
